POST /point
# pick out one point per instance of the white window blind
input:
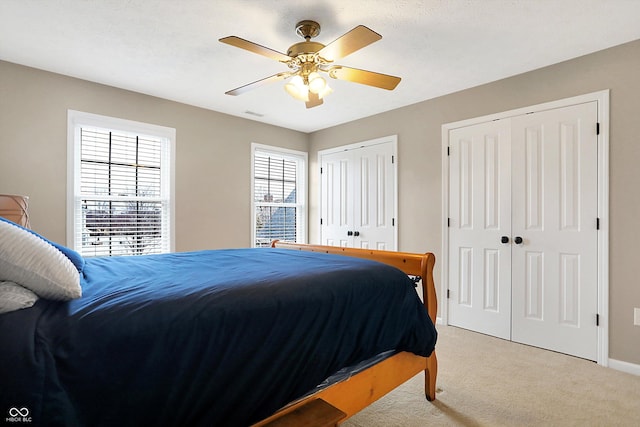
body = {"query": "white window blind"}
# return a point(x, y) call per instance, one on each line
point(279, 205)
point(122, 200)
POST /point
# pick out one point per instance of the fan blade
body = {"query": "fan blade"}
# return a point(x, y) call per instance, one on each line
point(314, 100)
point(246, 88)
point(383, 81)
point(348, 43)
point(255, 48)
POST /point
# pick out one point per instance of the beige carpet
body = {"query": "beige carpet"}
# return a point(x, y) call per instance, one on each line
point(486, 381)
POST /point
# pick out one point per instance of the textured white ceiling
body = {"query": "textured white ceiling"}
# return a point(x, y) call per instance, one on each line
point(170, 48)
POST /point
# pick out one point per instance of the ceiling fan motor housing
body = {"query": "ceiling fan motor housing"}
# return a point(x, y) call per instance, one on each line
point(304, 48)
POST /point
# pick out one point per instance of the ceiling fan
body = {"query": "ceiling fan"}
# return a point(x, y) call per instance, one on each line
point(308, 59)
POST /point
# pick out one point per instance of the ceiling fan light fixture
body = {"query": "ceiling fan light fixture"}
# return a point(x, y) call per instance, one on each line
point(326, 90)
point(316, 83)
point(297, 89)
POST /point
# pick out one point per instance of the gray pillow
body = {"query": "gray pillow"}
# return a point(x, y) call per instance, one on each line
point(14, 297)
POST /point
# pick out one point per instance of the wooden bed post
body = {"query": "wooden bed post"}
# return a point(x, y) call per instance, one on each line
point(431, 303)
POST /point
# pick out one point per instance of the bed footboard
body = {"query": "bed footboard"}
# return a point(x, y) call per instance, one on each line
point(400, 367)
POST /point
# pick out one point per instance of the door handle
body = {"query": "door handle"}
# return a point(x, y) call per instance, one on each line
point(518, 240)
point(356, 233)
point(349, 233)
point(504, 239)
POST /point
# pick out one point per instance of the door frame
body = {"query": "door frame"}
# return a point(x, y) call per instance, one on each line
point(602, 99)
point(391, 139)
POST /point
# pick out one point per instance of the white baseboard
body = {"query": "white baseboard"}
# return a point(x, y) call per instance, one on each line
point(619, 365)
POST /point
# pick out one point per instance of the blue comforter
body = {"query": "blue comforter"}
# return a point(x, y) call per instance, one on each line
point(209, 338)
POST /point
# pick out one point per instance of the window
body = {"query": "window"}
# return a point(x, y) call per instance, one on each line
point(120, 186)
point(279, 195)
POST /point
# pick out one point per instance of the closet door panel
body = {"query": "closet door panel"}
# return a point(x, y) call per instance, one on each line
point(479, 211)
point(554, 277)
point(337, 195)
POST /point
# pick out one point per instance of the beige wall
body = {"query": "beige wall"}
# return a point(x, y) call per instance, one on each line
point(212, 153)
point(419, 151)
point(213, 157)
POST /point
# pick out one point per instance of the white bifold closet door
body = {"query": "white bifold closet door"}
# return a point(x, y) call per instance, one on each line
point(358, 197)
point(523, 229)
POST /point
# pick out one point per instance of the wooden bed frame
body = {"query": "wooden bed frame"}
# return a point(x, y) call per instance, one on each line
point(359, 391)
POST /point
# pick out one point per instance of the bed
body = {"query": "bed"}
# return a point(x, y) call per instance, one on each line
point(221, 337)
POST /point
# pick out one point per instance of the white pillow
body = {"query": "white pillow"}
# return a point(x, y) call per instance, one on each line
point(14, 297)
point(32, 262)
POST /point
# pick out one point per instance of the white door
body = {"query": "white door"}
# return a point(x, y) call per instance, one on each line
point(358, 197)
point(532, 181)
point(479, 218)
point(337, 199)
point(554, 212)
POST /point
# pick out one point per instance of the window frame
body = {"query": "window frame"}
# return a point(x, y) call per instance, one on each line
point(301, 158)
point(78, 119)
